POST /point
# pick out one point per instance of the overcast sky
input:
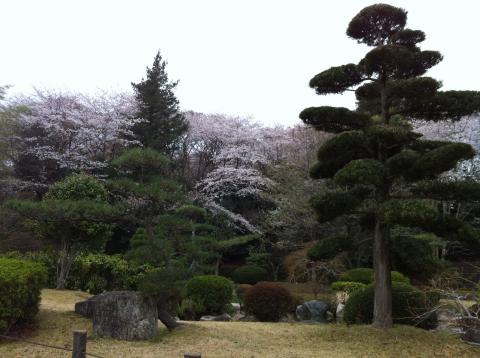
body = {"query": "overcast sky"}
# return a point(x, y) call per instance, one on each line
point(241, 57)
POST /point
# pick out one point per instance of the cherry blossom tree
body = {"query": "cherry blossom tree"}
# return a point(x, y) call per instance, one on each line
point(64, 132)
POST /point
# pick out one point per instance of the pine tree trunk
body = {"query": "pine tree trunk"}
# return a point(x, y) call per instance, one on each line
point(166, 318)
point(382, 311)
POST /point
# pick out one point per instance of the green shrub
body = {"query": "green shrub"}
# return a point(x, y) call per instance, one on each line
point(190, 310)
point(413, 254)
point(347, 286)
point(366, 276)
point(268, 302)
point(20, 285)
point(409, 306)
point(249, 274)
point(328, 248)
point(47, 258)
point(96, 273)
point(213, 292)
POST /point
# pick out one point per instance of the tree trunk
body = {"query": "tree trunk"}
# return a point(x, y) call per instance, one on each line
point(64, 264)
point(166, 318)
point(382, 311)
point(383, 99)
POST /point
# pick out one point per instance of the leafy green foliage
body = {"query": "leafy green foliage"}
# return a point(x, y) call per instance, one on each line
point(361, 172)
point(268, 302)
point(78, 187)
point(367, 276)
point(461, 191)
point(140, 163)
point(338, 151)
point(441, 159)
point(348, 286)
point(163, 124)
point(96, 273)
point(47, 258)
point(414, 254)
point(399, 61)
point(409, 212)
point(249, 274)
point(329, 247)
point(75, 214)
point(336, 79)
point(20, 285)
point(409, 306)
point(375, 24)
point(213, 292)
point(332, 204)
point(332, 119)
point(401, 164)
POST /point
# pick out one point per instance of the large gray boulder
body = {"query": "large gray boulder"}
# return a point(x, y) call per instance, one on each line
point(85, 308)
point(125, 315)
point(312, 311)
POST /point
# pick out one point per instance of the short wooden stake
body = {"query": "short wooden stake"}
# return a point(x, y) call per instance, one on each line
point(192, 355)
point(79, 344)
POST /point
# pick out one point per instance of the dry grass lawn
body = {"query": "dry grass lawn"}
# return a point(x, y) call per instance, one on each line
point(246, 339)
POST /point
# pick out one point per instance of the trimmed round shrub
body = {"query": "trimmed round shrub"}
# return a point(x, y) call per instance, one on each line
point(268, 302)
point(347, 286)
point(213, 292)
point(367, 275)
point(409, 306)
point(249, 274)
point(20, 284)
point(328, 248)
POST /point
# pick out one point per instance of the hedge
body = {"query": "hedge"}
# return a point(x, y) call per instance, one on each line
point(20, 284)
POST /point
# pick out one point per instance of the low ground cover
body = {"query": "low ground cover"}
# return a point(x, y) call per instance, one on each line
point(56, 320)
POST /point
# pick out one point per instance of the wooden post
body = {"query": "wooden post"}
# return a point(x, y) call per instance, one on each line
point(192, 355)
point(79, 344)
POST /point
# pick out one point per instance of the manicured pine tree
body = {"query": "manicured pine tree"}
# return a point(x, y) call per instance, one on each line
point(375, 164)
point(163, 124)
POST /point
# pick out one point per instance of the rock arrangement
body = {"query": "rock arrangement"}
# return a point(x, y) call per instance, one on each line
point(121, 314)
point(314, 311)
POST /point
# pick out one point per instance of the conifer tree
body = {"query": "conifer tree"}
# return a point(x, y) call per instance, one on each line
point(162, 122)
point(376, 166)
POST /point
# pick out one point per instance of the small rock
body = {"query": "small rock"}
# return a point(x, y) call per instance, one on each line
point(314, 310)
point(236, 307)
point(225, 317)
point(340, 311)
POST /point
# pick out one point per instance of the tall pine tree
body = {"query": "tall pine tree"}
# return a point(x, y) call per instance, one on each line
point(376, 166)
point(163, 123)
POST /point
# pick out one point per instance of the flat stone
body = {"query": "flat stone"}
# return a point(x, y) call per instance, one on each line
point(220, 318)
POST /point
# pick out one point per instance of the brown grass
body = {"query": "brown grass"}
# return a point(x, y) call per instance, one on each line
point(236, 339)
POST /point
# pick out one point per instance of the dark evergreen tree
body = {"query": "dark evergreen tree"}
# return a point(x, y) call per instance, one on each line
point(163, 124)
point(377, 167)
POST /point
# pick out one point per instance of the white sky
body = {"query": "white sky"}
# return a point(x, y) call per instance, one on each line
point(242, 57)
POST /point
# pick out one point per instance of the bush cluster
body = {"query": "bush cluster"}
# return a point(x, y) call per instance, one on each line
point(347, 286)
point(211, 292)
point(96, 273)
point(268, 302)
point(367, 275)
point(20, 285)
point(249, 274)
point(409, 306)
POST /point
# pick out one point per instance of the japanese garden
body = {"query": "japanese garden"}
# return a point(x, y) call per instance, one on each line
point(164, 232)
